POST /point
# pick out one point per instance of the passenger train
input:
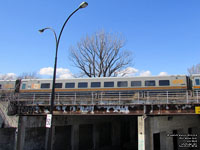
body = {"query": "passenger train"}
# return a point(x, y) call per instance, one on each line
point(170, 83)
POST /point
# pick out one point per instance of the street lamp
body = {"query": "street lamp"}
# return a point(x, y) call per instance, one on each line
point(49, 145)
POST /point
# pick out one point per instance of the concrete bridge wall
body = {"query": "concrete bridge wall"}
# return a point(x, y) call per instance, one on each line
point(168, 132)
point(102, 132)
point(108, 132)
point(79, 132)
point(7, 129)
point(7, 138)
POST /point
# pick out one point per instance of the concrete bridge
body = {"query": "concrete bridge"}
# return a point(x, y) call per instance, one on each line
point(109, 103)
point(146, 121)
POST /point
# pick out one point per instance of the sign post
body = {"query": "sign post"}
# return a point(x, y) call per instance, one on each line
point(48, 120)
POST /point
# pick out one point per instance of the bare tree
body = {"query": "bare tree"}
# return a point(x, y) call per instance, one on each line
point(12, 76)
point(195, 69)
point(100, 55)
point(8, 76)
point(26, 75)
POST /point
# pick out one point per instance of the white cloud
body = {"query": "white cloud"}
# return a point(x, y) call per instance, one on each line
point(64, 73)
point(129, 71)
point(8, 76)
point(145, 73)
point(66, 76)
point(46, 71)
point(60, 72)
point(163, 74)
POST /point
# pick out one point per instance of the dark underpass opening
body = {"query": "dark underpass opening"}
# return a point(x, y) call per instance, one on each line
point(81, 132)
point(97, 133)
point(103, 133)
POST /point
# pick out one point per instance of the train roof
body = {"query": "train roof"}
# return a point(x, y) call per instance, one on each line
point(99, 78)
point(7, 80)
point(93, 78)
point(195, 75)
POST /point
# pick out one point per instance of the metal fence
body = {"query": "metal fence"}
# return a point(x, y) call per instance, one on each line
point(108, 98)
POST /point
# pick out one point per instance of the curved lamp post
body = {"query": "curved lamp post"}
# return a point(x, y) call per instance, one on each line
point(48, 145)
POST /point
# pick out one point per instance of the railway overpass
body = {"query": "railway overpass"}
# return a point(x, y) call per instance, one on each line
point(112, 120)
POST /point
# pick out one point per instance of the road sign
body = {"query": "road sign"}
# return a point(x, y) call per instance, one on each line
point(48, 120)
point(197, 109)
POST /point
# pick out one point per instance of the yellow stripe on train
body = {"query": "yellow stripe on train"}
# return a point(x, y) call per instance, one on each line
point(196, 87)
point(106, 89)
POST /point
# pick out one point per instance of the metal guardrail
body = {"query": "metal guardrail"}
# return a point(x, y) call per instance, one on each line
point(115, 102)
point(106, 98)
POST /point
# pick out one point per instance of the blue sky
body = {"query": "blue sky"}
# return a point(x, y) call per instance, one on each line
point(164, 35)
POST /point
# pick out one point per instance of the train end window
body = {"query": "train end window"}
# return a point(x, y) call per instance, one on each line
point(122, 84)
point(45, 85)
point(23, 86)
point(164, 83)
point(136, 83)
point(69, 85)
point(197, 81)
point(58, 85)
point(150, 83)
point(108, 84)
point(82, 85)
point(95, 84)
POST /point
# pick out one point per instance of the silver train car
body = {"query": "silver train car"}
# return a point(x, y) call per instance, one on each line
point(7, 86)
point(151, 83)
point(195, 83)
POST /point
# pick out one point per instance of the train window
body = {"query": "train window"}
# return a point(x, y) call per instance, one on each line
point(0, 86)
point(58, 85)
point(45, 85)
point(23, 86)
point(122, 84)
point(95, 84)
point(136, 83)
point(150, 83)
point(82, 85)
point(69, 85)
point(163, 82)
point(197, 81)
point(108, 84)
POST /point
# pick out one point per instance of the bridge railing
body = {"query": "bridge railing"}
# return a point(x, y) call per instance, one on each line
point(109, 98)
